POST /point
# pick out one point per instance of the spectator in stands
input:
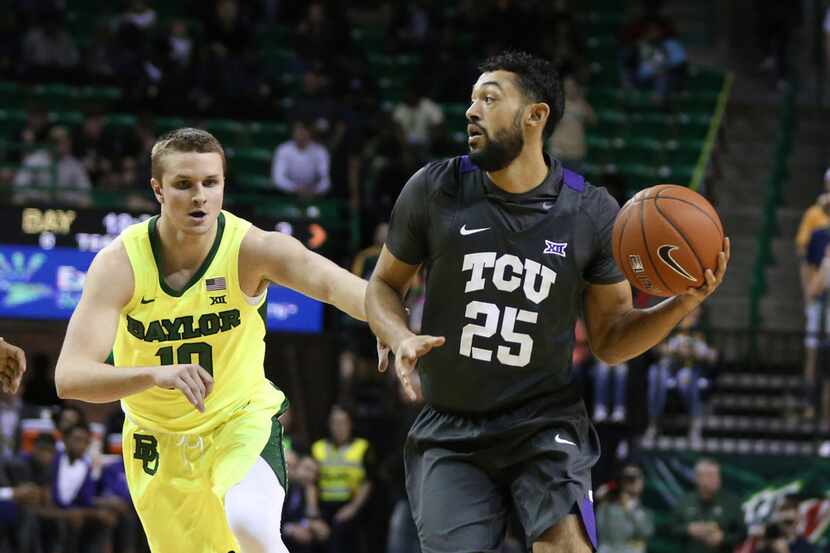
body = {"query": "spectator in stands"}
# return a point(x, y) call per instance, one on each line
point(358, 359)
point(346, 475)
point(782, 532)
point(140, 14)
point(302, 527)
point(313, 104)
point(229, 33)
point(568, 141)
point(815, 218)
point(37, 127)
point(100, 56)
point(94, 147)
point(301, 165)
point(660, 65)
point(775, 28)
point(682, 360)
point(411, 25)
point(113, 496)
point(49, 51)
point(707, 520)
point(85, 527)
point(53, 167)
point(604, 377)
point(11, 406)
point(38, 464)
point(623, 524)
point(418, 118)
point(68, 417)
point(18, 525)
point(320, 36)
point(817, 272)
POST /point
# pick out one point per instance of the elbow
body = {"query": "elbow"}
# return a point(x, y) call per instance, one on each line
point(607, 354)
point(63, 385)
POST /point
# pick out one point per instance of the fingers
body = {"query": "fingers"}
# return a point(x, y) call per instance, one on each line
point(405, 366)
point(194, 389)
point(184, 386)
point(206, 379)
point(383, 357)
point(428, 343)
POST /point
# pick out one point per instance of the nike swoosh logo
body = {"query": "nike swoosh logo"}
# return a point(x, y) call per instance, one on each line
point(547, 205)
point(664, 253)
point(466, 232)
point(147, 301)
point(558, 439)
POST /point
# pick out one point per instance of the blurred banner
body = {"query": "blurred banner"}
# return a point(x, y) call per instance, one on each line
point(45, 253)
point(761, 482)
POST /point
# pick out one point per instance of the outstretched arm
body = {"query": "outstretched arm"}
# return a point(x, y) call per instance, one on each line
point(387, 316)
point(617, 332)
point(81, 372)
point(283, 260)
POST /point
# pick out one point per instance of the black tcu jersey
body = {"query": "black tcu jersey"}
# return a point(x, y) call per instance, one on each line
point(506, 274)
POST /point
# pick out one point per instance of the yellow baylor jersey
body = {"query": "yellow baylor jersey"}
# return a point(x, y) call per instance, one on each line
point(210, 322)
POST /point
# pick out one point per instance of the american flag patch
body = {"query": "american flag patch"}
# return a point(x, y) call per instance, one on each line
point(215, 284)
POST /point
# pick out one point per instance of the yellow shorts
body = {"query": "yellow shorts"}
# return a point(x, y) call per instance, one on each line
point(178, 482)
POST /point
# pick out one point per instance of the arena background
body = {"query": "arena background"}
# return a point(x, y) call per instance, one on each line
point(728, 97)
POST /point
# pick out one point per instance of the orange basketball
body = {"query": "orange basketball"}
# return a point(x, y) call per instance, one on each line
point(665, 238)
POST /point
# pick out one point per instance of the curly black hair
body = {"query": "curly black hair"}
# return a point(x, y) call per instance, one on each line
point(537, 78)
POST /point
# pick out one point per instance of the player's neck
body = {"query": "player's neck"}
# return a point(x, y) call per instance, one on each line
point(525, 173)
point(180, 250)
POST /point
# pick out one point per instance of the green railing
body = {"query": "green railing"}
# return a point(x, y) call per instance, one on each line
point(712, 134)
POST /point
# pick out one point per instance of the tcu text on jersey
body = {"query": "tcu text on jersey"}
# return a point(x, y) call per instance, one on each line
point(507, 273)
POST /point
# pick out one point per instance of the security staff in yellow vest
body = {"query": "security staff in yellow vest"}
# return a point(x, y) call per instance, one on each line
point(346, 467)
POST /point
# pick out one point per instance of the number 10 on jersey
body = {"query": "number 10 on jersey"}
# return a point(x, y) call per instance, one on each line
point(492, 316)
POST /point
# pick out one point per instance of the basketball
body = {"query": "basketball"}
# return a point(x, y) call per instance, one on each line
point(665, 238)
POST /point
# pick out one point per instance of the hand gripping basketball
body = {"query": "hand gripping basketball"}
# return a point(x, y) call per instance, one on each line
point(406, 357)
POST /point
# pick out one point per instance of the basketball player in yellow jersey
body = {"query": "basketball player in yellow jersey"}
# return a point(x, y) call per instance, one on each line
point(177, 299)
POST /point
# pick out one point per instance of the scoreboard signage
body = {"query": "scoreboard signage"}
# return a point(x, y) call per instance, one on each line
point(45, 254)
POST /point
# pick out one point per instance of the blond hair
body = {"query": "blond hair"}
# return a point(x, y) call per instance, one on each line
point(184, 140)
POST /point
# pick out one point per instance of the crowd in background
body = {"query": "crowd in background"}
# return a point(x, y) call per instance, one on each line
point(65, 490)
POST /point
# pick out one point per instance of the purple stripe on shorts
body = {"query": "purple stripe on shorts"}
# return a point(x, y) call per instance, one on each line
point(574, 180)
point(586, 510)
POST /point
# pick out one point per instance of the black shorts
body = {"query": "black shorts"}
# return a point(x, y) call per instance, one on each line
point(465, 475)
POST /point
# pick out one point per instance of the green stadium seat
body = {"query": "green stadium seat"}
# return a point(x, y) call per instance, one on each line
point(66, 118)
point(167, 124)
point(253, 181)
point(268, 135)
point(277, 61)
point(370, 39)
point(121, 120)
point(676, 174)
point(99, 95)
point(11, 95)
point(250, 161)
point(392, 90)
point(229, 132)
point(275, 36)
point(704, 79)
point(55, 96)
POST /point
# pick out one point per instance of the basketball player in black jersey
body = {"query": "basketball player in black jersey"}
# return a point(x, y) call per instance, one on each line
point(515, 247)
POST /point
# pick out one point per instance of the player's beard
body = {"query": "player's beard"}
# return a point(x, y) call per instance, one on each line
point(502, 148)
